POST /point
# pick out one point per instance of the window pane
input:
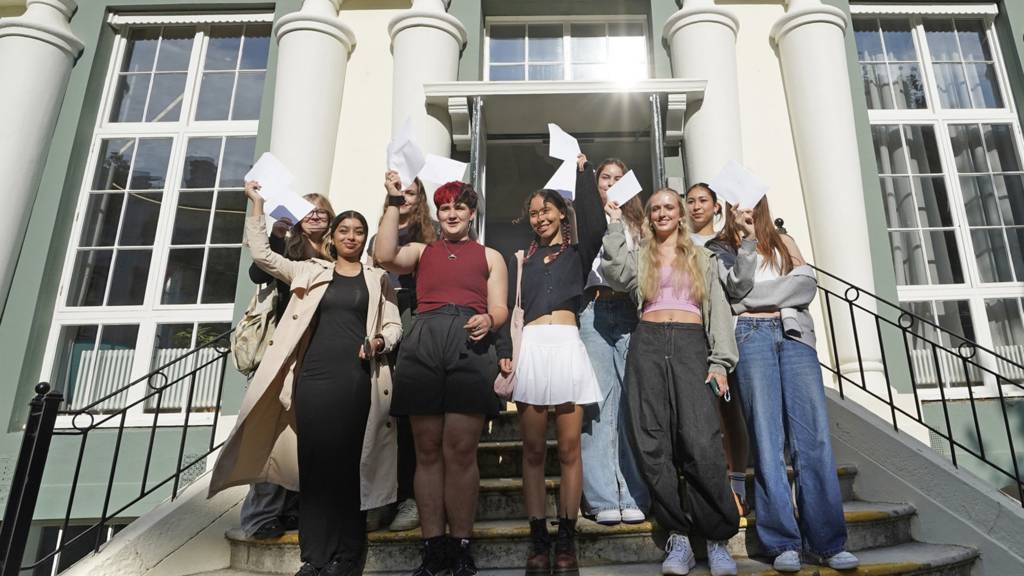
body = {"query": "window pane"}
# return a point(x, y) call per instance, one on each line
point(955, 317)
point(869, 42)
point(172, 341)
point(114, 357)
point(889, 155)
point(215, 96)
point(943, 257)
point(151, 164)
point(115, 159)
point(923, 149)
point(192, 218)
point(508, 44)
point(248, 96)
point(590, 72)
point(89, 277)
point(588, 43)
point(993, 258)
point(221, 275)
point(229, 219)
point(899, 43)
point(1002, 150)
point(181, 281)
point(1010, 195)
point(952, 86)
point(908, 85)
point(941, 39)
point(899, 202)
point(175, 49)
point(140, 50)
point(201, 160)
point(980, 201)
point(933, 203)
point(973, 40)
point(545, 42)
point(238, 159)
point(165, 98)
point(627, 54)
point(255, 47)
point(514, 72)
point(876, 86)
point(128, 282)
point(130, 98)
point(71, 364)
point(984, 86)
point(1004, 321)
point(140, 219)
point(1015, 236)
point(967, 148)
point(546, 72)
point(908, 258)
point(222, 49)
point(102, 215)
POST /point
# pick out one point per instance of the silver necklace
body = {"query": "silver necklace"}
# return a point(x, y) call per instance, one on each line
point(451, 255)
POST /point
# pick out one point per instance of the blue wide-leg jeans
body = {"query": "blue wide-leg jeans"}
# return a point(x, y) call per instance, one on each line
point(783, 399)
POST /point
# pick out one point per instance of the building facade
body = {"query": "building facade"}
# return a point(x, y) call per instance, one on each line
point(889, 133)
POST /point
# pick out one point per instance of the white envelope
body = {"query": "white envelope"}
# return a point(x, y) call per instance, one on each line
point(562, 145)
point(738, 186)
point(404, 156)
point(624, 190)
point(440, 170)
point(564, 179)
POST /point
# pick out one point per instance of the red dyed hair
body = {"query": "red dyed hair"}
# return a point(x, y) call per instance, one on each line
point(457, 192)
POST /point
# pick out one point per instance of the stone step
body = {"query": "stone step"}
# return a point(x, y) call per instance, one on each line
point(504, 543)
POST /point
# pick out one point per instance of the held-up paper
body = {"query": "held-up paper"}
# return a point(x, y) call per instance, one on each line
point(564, 179)
point(440, 170)
point(738, 186)
point(404, 156)
point(562, 145)
point(276, 189)
point(624, 190)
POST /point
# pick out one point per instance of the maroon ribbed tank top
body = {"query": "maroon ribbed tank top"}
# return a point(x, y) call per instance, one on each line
point(441, 280)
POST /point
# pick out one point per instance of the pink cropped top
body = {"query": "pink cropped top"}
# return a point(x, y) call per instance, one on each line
point(669, 298)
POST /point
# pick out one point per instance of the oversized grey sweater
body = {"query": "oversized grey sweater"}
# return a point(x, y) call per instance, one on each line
point(790, 295)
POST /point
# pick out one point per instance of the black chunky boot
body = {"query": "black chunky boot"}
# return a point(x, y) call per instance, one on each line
point(539, 561)
point(435, 557)
point(565, 549)
point(460, 557)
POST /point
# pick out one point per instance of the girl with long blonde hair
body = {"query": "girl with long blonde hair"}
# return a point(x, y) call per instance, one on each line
point(679, 356)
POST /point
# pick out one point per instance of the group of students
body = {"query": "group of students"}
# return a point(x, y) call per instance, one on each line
point(658, 357)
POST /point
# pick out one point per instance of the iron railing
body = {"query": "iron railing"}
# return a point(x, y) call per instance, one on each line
point(91, 419)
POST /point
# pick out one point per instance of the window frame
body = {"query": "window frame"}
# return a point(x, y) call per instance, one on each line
point(152, 312)
point(566, 22)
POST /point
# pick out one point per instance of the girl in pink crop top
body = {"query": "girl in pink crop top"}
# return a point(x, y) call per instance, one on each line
point(671, 298)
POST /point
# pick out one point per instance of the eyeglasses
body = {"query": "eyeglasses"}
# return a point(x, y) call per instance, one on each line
point(318, 214)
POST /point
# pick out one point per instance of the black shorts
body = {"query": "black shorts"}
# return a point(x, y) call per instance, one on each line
point(440, 371)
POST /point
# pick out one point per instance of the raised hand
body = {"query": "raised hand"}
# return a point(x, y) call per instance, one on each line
point(613, 211)
point(393, 183)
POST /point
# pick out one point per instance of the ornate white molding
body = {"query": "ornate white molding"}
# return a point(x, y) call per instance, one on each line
point(52, 28)
point(440, 20)
point(330, 25)
point(458, 109)
point(695, 15)
point(192, 18)
point(933, 9)
point(817, 14)
point(675, 118)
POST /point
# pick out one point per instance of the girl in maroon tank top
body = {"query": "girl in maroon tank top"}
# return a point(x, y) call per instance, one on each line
point(447, 365)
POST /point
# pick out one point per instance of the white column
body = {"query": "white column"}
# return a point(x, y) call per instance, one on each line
point(313, 50)
point(426, 43)
point(702, 43)
point(37, 51)
point(812, 49)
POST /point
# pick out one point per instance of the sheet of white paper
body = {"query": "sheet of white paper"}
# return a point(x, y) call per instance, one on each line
point(564, 179)
point(737, 185)
point(271, 173)
point(404, 156)
point(624, 189)
point(563, 146)
point(441, 170)
point(290, 206)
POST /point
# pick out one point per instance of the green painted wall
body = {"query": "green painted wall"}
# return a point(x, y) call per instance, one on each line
point(470, 13)
point(25, 322)
point(12, 11)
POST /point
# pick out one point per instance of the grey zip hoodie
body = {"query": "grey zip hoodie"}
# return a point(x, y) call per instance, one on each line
point(790, 295)
point(620, 266)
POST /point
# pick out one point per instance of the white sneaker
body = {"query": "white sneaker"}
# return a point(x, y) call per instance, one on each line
point(719, 559)
point(680, 558)
point(843, 561)
point(788, 561)
point(608, 517)
point(407, 517)
point(633, 516)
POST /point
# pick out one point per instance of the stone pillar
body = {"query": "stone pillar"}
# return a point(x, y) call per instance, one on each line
point(812, 49)
point(702, 42)
point(313, 50)
point(426, 43)
point(37, 52)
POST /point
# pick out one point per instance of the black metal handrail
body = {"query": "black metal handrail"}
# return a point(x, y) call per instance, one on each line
point(40, 430)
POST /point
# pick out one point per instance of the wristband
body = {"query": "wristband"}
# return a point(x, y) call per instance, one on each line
point(396, 200)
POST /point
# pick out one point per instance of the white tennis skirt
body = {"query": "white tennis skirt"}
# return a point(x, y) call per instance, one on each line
point(553, 367)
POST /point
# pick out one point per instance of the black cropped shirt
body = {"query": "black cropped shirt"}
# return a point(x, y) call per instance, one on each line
point(558, 285)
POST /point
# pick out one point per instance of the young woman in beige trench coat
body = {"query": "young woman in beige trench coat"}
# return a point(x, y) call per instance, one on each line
point(264, 447)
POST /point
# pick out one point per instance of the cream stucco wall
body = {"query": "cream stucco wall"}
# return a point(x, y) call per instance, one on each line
point(365, 128)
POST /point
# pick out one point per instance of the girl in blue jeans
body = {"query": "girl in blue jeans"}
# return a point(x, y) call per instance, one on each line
point(783, 398)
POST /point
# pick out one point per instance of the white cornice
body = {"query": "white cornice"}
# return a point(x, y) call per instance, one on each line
point(924, 9)
point(437, 93)
point(191, 18)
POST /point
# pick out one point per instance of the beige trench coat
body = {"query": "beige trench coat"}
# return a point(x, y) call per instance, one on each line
point(262, 447)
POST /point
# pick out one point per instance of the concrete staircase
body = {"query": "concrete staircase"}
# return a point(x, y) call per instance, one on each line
point(880, 533)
